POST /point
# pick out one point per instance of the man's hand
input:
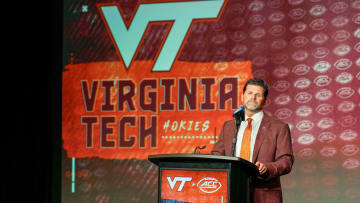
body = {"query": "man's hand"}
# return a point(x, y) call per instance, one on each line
point(262, 168)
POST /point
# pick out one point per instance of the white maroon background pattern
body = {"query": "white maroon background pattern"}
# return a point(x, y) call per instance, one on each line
point(307, 50)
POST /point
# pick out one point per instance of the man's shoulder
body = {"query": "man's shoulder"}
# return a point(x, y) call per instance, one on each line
point(273, 120)
point(229, 122)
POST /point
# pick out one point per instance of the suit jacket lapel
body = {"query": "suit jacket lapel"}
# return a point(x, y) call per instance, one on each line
point(260, 137)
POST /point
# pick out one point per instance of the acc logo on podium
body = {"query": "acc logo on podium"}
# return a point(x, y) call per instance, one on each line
point(209, 185)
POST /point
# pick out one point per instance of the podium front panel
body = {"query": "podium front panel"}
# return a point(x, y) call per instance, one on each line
point(185, 178)
point(201, 186)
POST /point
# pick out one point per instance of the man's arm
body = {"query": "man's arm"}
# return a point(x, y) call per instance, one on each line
point(219, 147)
point(284, 157)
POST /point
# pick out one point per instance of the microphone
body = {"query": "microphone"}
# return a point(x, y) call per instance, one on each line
point(197, 149)
point(239, 115)
point(239, 112)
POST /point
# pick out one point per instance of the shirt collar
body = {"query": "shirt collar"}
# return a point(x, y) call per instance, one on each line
point(256, 117)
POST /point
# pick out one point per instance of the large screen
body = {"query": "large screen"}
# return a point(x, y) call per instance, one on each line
point(162, 76)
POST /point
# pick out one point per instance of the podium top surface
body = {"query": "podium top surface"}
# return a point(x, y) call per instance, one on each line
point(207, 158)
point(189, 157)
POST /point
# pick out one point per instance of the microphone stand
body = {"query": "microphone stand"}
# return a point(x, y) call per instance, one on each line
point(239, 116)
point(197, 149)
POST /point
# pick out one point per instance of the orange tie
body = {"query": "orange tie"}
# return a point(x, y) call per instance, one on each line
point(245, 143)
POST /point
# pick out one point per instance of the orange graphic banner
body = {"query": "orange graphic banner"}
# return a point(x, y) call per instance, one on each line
point(114, 113)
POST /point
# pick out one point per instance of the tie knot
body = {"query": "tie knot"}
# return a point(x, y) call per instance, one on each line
point(249, 120)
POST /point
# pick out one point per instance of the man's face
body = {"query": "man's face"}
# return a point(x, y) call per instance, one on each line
point(253, 98)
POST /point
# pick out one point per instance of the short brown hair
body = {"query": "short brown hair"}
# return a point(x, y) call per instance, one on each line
point(258, 82)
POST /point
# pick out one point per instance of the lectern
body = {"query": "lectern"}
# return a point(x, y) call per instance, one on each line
point(202, 178)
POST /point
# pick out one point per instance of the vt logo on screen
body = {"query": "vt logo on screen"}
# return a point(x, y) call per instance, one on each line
point(128, 35)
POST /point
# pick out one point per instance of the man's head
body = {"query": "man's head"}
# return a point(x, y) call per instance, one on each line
point(254, 95)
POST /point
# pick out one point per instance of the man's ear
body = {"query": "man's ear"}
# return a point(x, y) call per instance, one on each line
point(264, 102)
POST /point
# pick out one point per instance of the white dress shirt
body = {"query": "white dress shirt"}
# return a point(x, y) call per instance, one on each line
point(255, 128)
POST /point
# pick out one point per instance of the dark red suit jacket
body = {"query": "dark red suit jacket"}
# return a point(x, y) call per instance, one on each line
point(273, 147)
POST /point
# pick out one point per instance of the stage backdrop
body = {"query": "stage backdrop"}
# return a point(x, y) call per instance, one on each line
point(158, 77)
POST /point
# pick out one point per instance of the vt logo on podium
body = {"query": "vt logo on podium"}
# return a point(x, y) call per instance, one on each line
point(127, 36)
point(183, 180)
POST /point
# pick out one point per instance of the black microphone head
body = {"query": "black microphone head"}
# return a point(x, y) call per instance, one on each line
point(238, 110)
point(239, 114)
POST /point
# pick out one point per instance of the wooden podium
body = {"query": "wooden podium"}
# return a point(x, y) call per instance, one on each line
point(201, 178)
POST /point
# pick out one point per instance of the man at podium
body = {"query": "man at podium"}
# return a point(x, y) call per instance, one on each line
point(260, 139)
